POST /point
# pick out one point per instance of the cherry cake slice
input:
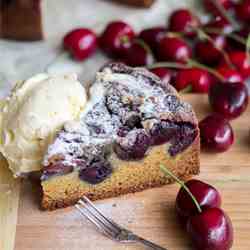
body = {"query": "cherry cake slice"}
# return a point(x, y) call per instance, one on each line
point(131, 124)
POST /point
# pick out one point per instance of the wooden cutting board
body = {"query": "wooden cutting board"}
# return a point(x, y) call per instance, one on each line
point(149, 213)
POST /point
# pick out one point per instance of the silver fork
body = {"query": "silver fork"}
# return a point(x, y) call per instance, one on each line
point(108, 227)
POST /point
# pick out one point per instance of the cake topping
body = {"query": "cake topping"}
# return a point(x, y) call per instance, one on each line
point(129, 111)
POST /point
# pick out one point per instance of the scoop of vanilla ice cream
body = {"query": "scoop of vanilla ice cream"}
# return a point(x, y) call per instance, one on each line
point(33, 113)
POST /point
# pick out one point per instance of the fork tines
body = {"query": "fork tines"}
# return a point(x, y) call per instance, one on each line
point(94, 215)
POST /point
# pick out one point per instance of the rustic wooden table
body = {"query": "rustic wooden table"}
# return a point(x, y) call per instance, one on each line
point(149, 213)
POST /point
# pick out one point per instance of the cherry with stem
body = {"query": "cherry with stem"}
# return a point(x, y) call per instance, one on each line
point(204, 35)
point(182, 184)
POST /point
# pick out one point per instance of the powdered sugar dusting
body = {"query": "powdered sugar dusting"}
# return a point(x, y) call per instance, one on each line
point(118, 93)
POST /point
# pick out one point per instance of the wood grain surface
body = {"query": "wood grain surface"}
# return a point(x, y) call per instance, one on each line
point(9, 199)
point(149, 213)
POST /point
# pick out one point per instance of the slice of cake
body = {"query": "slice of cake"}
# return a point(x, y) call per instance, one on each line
point(131, 124)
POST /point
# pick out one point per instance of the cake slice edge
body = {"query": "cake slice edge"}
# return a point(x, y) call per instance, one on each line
point(66, 190)
point(128, 176)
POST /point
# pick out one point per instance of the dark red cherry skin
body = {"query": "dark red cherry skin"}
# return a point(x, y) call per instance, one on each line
point(81, 42)
point(56, 169)
point(205, 194)
point(211, 229)
point(240, 61)
point(97, 172)
point(174, 49)
point(139, 55)
point(182, 20)
point(230, 75)
point(200, 80)
point(243, 10)
point(152, 36)
point(165, 74)
point(133, 145)
point(211, 8)
point(228, 99)
point(216, 133)
point(116, 39)
point(209, 52)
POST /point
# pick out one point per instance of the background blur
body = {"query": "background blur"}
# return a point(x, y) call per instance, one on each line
point(20, 60)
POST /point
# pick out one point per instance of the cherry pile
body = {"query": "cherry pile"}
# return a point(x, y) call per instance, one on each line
point(198, 207)
point(193, 56)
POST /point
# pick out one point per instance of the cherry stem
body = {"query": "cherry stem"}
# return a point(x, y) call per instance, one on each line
point(224, 13)
point(182, 184)
point(231, 35)
point(203, 34)
point(188, 89)
point(124, 39)
point(192, 63)
point(144, 45)
point(248, 48)
point(168, 65)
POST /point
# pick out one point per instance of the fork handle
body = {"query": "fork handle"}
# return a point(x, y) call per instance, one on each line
point(147, 243)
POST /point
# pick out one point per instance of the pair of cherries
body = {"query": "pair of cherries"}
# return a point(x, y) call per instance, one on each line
point(117, 41)
point(198, 207)
point(229, 101)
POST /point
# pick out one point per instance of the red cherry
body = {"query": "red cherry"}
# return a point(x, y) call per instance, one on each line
point(208, 226)
point(173, 49)
point(199, 79)
point(216, 133)
point(152, 36)
point(81, 42)
point(182, 20)
point(240, 60)
point(230, 75)
point(243, 10)
point(211, 229)
point(116, 39)
point(229, 99)
point(209, 52)
point(205, 194)
point(139, 55)
point(164, 74)
point(211, 8)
